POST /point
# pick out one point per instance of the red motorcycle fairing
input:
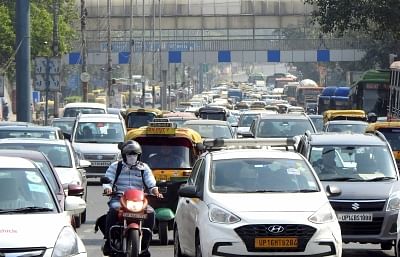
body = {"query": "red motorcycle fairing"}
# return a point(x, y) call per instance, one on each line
point(134, 195)
point(132, 225)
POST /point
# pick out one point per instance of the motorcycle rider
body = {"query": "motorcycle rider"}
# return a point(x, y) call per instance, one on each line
point(130, 177)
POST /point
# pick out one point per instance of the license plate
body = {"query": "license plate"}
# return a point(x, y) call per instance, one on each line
point(161, 177)
point(355, 217)
point(276, 242)
point(97, 163)
point(134, 215)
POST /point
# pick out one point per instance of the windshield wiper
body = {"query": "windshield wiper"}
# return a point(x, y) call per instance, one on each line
point(28, 210)
point(267, 191)
point(342, 179)
point(380, 179)
point(307, 191)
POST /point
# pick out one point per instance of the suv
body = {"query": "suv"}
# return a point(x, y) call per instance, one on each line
point(364, 168)
point(95, 138)
point(281, 125)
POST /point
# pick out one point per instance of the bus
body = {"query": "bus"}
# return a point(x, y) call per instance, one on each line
point(371, 92)
point(340, 100)
point(394, 97)
point(324, 99)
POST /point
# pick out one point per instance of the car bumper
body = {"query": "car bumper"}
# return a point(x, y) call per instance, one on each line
point(223, 240)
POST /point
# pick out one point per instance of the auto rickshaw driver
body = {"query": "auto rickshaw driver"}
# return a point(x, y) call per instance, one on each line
point(166, 157)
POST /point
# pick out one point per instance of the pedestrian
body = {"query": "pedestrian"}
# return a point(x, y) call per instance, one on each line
point(5, 111)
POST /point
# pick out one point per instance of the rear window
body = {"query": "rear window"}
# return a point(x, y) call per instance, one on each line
point(283, 128)
point(73, 112)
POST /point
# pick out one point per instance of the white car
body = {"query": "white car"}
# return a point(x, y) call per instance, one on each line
point(252, 202)
point(32, 222)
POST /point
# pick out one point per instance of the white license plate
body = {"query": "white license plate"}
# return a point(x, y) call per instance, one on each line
point(97, 163)
point(135, 215)
point(355, 217)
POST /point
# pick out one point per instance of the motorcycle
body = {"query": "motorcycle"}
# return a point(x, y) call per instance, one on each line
point(126, 237)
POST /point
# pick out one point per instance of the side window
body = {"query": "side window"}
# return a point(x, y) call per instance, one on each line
point(195, 170)
point(199, 182)
point(300, 147)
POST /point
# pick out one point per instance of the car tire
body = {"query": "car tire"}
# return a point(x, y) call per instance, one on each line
point(198, 247)
point(177, 245)
point(387, 245)
point(77, 221)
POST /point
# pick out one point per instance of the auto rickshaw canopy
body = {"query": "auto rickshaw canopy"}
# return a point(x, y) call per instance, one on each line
point(345, 115)
point(151, 113)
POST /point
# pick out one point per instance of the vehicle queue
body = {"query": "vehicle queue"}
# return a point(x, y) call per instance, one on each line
point(267, 158)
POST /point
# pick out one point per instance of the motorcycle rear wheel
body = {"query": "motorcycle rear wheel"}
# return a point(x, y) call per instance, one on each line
point(132, 243)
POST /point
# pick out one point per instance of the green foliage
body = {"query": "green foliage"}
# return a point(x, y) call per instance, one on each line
point(73, 99)
point(7, 37)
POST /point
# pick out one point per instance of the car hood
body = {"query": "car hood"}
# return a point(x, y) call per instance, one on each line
point(22, 230)
point(271, 202)
point(364, 190)
point(68, 175)
point(96, 148)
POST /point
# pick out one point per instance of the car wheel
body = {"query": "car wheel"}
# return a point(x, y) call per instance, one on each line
point(83, 216)
point(77, 220)
point(198, 247)
point(387, 245)
point(177, 245)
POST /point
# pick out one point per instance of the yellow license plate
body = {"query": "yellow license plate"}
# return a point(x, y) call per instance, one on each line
point(161, 177)
point(276, 242)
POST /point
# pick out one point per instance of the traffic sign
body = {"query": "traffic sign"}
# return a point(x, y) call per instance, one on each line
point(40, 65)
point(40, 82)
point(85, 77)
point(54, 65)
point(47, 73)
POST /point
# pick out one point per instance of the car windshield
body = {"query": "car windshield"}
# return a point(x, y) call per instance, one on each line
point(73, 112)
point(12, 133)
point(283, 128)
point(355, 128)
point(166, 156)
point(139, 119)
point(59, 155)
point(246, 120)
point(213, 115)
point(355, 163)
point(211, 130)
point(48, 173)
point(318, 123)
point(65, 126)
point(24, 190)
point(392, 136)
point(262, 175)
point(99, 132)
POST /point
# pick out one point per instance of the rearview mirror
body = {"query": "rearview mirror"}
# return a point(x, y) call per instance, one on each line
point(74, 205)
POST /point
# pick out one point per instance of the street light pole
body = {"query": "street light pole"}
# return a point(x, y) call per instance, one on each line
point(131, 55)
point(109, 59)
point(143, 79)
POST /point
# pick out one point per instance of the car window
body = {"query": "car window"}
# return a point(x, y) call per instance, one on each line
point(195, 170)
point(283, 128)
point(262, 175)
point(99, 132)
point(355, 163)
point(48, 173)
point(199, 182)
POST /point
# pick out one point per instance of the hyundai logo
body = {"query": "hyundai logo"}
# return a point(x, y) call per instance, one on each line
point(275, 229)
point(355, 206)
point(99, 157)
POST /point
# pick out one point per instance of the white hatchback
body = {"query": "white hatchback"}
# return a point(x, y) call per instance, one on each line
point(31, 221)
point(253, 202)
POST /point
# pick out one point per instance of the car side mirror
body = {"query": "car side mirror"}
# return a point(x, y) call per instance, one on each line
point(74, 205)
point(84, 163)
point(188, 191)
point(333, 190)
point(67, 136)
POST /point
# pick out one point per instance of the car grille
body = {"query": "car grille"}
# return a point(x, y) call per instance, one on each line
point(340, 206)
point(248, 234)
point(100, 157)
point(31, 252)
point(90, 170)
point(362, 228)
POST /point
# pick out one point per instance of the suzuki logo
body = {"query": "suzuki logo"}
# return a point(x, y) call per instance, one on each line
point(355, 206)
point(275, 229)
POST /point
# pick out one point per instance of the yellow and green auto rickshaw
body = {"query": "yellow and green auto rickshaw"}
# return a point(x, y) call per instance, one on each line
point(136, 118)
point(344, 115)
point(391, 131)
point(170, 152)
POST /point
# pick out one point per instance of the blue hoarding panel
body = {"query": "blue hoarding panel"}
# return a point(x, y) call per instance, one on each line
point(75, 58)
point(174, 57)
point(123, 57)
point(274, 56)
point(35, 96)
point(323, 56)
point(224, 56)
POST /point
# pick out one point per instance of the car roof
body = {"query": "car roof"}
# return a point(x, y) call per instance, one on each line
point(344, 122)
point(99, 117)
point(33, 141)
point(85, 105)
point(286, 116)
point(64, 119)
point(206, 122)
point(254, 153)
point(33, 128)
point(30, 154)
point(334, 138)
point(15, 162)
point(257, 112)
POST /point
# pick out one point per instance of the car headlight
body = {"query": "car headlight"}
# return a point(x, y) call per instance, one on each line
point(219, 215)
point(394, 202)
point(67, 243)
point(134, 206)
point(324, 215)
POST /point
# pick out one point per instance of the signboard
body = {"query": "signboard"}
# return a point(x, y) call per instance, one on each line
point(160, 131)
point(2, 82)
point(47, 74)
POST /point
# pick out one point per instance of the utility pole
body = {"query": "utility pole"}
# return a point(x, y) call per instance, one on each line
point(84, 50)
point(159, 39)
point(130, 55)
point(23, 57)
point(143, 78)
point(153, 56)
point(109, 60)
point(56, 51)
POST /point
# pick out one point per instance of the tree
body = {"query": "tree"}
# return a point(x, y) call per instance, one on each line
point(7, 37)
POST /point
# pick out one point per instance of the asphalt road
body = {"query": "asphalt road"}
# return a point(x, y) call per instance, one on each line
point(96, 206)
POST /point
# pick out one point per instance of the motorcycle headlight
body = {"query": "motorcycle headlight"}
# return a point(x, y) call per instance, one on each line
point(219, 215)
point(324, 215)
point(134, 206)
point(67, 243)
point(394, 202)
